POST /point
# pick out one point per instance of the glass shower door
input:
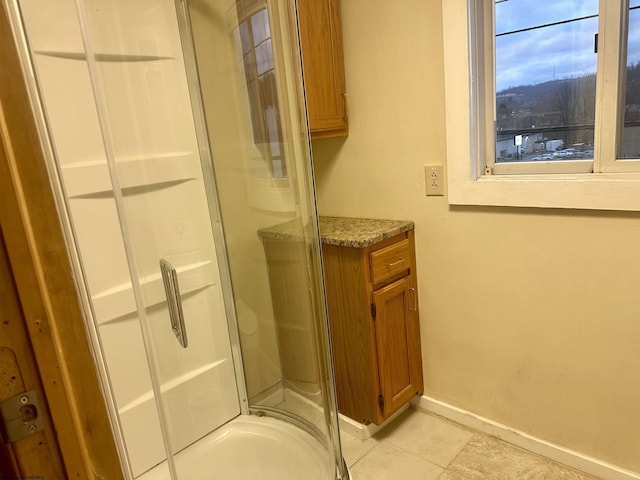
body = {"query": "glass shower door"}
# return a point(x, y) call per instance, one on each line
point(249, 78)
point(133, 172)
point(135, 58)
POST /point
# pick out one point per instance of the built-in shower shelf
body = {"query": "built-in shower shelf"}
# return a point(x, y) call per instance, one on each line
point(135, 174)
point(103, 57)
point(118, 303)
point(176, 382)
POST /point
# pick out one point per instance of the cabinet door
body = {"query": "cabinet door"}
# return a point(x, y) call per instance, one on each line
point(397, 338)
point(323, 66)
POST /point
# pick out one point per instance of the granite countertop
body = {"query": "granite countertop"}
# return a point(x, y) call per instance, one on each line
point(342, 231)
point(360, 232)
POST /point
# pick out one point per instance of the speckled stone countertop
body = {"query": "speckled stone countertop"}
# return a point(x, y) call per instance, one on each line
point(360, 232)
point(342, 231)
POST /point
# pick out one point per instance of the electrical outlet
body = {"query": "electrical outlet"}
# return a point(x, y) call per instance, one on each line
point(434, 179)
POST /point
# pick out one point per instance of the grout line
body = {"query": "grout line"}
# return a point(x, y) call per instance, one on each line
point(364, 455)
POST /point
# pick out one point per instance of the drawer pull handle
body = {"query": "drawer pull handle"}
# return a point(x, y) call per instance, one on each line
point(397, 262)
point(414, 303)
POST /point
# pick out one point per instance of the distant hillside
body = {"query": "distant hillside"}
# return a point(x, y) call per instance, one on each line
point(560, 102)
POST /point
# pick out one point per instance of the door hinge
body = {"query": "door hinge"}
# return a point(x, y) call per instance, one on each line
point(20, 416)
point(381, 403)
point(374, 311)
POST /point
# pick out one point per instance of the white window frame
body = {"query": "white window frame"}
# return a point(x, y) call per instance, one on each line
point(473, 179)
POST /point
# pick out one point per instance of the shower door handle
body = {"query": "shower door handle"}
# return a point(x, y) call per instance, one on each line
point(174, 304)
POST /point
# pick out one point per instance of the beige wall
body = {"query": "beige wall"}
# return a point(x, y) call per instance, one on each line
point(529, 317)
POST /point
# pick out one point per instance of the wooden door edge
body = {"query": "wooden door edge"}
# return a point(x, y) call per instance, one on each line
point(37, 454)
point(41, 267)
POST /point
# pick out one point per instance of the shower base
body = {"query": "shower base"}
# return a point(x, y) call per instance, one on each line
point(251, 447)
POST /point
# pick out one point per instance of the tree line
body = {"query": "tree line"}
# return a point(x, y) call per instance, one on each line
point(567, 104)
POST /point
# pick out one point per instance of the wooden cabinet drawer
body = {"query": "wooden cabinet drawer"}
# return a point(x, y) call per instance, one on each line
point(390, 261)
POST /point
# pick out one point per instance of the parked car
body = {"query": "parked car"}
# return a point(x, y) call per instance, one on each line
point(566, 153)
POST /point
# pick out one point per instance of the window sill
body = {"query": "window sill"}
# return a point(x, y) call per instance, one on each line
point(594, 191)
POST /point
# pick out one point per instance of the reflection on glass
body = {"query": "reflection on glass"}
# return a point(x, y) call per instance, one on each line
point(545, 79)
point(631, 129)
point(259, 70)
point(272, 244)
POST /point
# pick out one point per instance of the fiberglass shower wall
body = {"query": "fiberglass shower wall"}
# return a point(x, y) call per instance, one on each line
point(137, 50)
point(153, 142)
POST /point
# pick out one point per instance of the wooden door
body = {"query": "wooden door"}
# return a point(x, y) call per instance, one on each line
point(36, 456)
point(398, 361)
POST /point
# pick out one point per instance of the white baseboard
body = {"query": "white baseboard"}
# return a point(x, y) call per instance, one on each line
point(520, 439)
point(362, 431)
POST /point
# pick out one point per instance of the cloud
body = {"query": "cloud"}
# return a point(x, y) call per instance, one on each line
point(553, 52)
point(633, 50)
point(517, 14)
point(545, 54)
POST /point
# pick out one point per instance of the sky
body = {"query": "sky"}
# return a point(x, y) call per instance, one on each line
point(554, 52)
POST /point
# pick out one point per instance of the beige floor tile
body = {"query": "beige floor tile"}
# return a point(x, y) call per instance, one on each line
point(485, 458)
point(388, 462)
point(560, 472)
point(434, 439)
point(354, 449)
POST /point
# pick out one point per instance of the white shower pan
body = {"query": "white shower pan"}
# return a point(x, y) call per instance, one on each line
point(277, 450)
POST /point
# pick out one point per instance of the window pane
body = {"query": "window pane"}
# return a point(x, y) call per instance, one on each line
point(260, 26)
point(631, 132)
point(545, 79)
point(264, 57)
point(262, 91)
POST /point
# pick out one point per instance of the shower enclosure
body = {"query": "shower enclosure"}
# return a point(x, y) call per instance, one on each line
point(175, 132)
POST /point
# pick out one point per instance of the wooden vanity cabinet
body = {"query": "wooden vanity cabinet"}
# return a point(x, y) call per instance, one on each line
point(323, 66)
point(374, 326)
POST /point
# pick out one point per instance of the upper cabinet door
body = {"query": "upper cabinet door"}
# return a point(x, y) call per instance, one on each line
point(323, 66)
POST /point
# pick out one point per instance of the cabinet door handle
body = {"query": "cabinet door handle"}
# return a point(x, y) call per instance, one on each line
point(174, 304)
point(414, 302)
point(344, 99)
point(397, 262)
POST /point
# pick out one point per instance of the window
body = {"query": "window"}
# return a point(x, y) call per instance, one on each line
point(260, 73)
point(631, 132)
point(543, 102)
point(545, 87)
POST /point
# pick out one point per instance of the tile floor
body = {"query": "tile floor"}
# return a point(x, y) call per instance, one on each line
point(419, 445)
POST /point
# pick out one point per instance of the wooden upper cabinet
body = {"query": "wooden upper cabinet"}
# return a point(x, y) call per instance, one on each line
point(323, 66)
